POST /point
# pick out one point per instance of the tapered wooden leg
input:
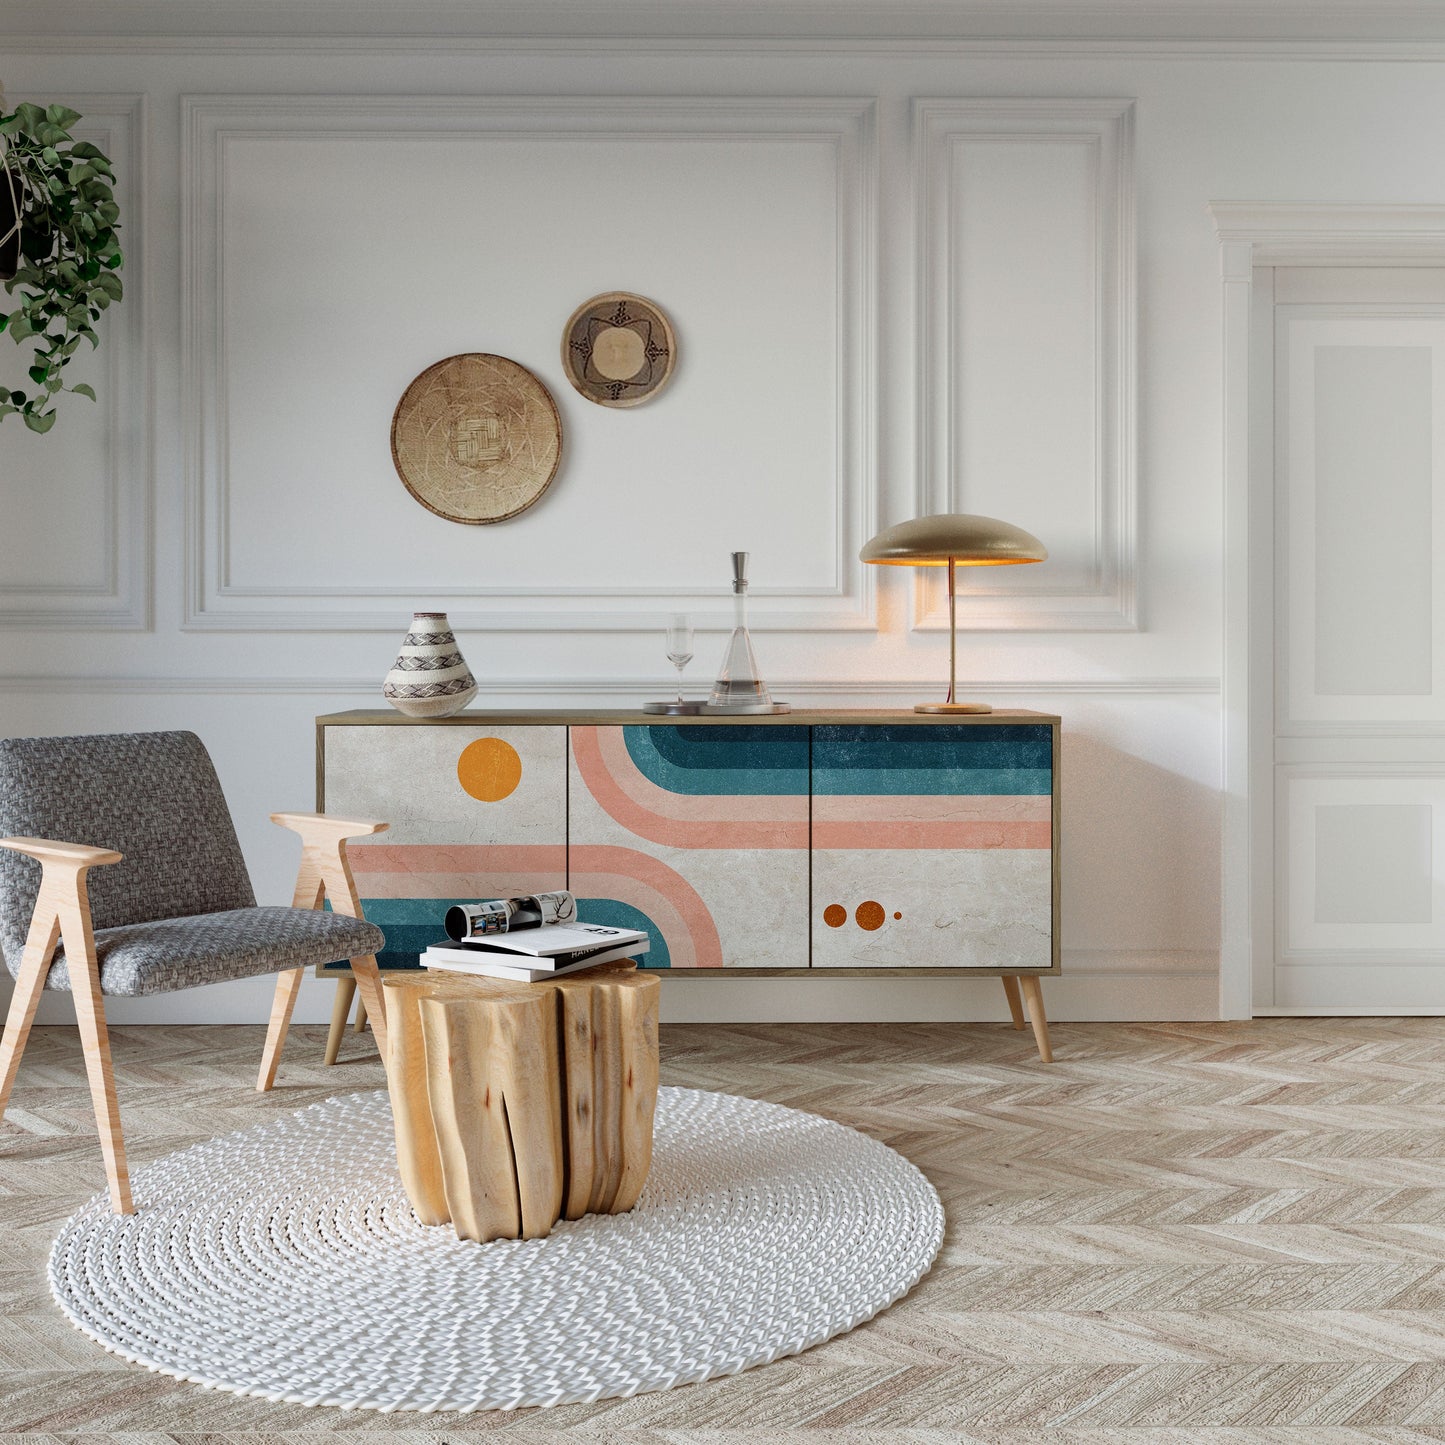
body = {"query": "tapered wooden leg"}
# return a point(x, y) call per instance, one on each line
point(361, 1015)
point(34, 965)
point(1035, 996)
point(340, 1010)
point(1015, 1003)
point(95, 1043)
point(283, 1002)
point(368, 980)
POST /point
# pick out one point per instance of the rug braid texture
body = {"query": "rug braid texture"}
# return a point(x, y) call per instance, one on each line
point(284, 1261)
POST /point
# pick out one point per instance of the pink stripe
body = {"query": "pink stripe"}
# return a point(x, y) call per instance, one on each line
point(874, 821)
point(467, 870)
point(937, 834)
point(662, 893)
point(456, 870)
point(632, 800)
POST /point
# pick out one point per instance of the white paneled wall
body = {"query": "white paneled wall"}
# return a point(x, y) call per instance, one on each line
point(901, 280)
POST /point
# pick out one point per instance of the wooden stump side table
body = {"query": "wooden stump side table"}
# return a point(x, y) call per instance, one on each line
point(519, 1104)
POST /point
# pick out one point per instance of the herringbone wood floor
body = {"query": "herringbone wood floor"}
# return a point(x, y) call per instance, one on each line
point(1187, 1233)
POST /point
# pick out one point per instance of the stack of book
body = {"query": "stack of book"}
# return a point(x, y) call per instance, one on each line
point(528, 939)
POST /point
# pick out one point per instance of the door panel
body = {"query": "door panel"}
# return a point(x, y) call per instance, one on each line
point(1362, 498)
point(698, 833)
point(1359, 674)
point(932, 846)
point(475, 812)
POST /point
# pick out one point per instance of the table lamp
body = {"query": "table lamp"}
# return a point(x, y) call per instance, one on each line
point(953, 539)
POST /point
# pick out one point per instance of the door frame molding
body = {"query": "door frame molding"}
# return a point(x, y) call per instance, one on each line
point(1256, 234)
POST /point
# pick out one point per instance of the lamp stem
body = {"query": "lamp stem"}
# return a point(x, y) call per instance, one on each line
point(952, 633)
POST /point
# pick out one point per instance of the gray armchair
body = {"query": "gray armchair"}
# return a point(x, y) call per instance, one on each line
point(170, 905)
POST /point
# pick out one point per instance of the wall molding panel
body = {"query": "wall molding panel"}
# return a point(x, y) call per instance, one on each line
point(1049, 183)
point(213, 125)
point(120, 598)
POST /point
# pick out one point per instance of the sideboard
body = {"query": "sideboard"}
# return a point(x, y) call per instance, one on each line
point(829, 843)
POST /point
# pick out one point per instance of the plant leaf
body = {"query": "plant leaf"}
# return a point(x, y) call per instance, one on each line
point(41, 422)
point(82, 389)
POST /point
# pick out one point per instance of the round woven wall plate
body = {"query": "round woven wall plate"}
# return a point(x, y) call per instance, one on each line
point(618, 349)
point(285, 1262)
point(476, 438)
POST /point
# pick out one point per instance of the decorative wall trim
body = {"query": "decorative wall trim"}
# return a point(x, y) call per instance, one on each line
point(940, 128)
point(1322, 233)
point(121, 599)
point(846, 126)
point(96, 41)
point(1173, 26)
point(370, 687)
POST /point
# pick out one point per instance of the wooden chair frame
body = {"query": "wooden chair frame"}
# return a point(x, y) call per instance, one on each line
point(62, 912)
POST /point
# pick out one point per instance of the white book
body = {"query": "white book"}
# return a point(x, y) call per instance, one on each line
point(551, 939)
point(515, 968)
point(489, 950)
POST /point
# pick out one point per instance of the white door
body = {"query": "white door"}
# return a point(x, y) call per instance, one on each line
point(1358, 872)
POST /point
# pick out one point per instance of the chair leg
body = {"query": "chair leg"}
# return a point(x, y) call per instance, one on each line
point(1015, 1003)
point(361, 1016)
point(95, 1042)
point(340, 1011)
point(34, 965)
point(283, 1002)
point(368, 981)
point(1035, 996)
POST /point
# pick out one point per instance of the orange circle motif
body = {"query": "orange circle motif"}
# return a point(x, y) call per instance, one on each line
point(835, 915)
point(870, 915)
point(898, 915)
point(489, 769)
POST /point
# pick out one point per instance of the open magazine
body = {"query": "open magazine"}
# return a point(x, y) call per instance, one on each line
point(509, 915)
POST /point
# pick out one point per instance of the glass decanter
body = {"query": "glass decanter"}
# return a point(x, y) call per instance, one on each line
point(739, 687)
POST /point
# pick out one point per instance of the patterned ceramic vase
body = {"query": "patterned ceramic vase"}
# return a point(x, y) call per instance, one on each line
point(430, 677)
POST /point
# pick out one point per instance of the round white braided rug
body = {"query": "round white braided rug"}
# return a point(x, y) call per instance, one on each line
point(284, 1261)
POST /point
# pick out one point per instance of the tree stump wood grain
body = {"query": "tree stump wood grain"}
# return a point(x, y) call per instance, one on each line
point(518, 1104)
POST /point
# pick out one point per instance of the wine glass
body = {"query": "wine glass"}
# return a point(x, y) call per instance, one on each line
point(679, 645)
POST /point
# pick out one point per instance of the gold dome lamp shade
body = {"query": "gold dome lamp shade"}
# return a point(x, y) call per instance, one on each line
point(953, 540)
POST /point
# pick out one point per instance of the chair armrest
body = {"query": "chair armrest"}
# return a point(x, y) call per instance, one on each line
point(73, 855)
point(324, 827)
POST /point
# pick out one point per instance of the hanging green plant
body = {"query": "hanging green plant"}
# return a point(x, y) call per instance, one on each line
point(60, 192)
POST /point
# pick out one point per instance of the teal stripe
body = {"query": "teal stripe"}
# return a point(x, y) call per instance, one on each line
point(612, 913)
point(935, 782)
point(412, 925)
point(1006, 760)
point(722, 761)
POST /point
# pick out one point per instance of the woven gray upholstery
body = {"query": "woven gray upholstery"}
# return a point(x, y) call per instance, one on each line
point(138, 958)
point(154, 797)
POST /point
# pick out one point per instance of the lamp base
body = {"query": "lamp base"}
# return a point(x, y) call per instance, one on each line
point(952, 707)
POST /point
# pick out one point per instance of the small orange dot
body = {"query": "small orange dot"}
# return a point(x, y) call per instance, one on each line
point(870, 915)
point(489, 769)
point(835, 915)
point(898, 915)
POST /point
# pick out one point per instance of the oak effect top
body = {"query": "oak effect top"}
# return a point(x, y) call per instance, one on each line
point(800, 717)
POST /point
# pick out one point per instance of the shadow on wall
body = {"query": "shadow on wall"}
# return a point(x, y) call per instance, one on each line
point(1140, 858)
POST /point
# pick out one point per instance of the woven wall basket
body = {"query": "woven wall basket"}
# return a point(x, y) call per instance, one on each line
point(476, 438)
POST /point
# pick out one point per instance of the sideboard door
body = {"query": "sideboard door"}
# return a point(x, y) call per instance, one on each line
point(698, 833)
point(933, 846)
point(475, 812)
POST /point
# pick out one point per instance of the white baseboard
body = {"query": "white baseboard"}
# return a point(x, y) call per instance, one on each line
point(1095, 986)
